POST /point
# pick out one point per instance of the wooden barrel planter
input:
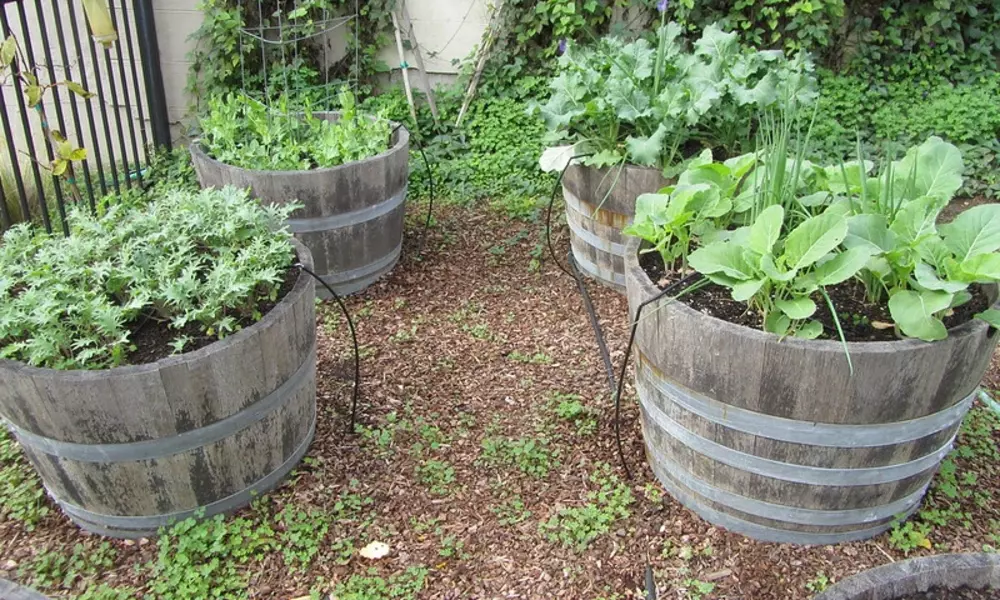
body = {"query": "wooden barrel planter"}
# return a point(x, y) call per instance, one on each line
point(11, 591)
point(596, 218)
point(917, 575)
point(776, 440)
point(128, 450)
point(352, 214)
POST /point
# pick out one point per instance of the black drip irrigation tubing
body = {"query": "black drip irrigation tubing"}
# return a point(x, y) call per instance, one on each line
point(430, 186)
point(354, 340)
point(588, 304)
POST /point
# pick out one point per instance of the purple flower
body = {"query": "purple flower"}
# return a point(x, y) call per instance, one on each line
point(662, 6)
point(562, 47)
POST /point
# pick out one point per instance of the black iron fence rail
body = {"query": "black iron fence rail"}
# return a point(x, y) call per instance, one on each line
point(119, 127)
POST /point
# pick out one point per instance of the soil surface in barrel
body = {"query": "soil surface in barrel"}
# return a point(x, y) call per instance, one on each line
point(964, 593)
point(152, 339)
point(860, 319)
point(485, 459)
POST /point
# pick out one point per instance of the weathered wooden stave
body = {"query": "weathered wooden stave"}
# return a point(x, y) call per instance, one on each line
point(596, 218)
point(351, 217)
point(125, 451)
point(790, 461)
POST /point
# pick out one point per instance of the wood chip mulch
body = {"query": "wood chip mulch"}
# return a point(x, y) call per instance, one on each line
point(473, 341)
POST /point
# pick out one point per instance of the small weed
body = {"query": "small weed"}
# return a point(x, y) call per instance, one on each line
point(426, 524)
point(106, 592)
point(479, 331)
point(907, 537)
point(382, 440)
point(365, 311)
point(570, 407)
point(695, 589)
point(402, 586)
point(533, 456)
point(437, 476)
point(404, 336)
point(220, 548)
point(53, 570)
point(653, 493)
point(300, 534)
point(22, 497)
point(538, 358)
point(579, 526)
point(452, 547)
point(511, 512)
point(818, 584)
point(398, 303)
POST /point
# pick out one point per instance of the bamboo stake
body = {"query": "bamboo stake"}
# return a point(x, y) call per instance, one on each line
point(418, 56)
point(484, 53)
point(404, 68)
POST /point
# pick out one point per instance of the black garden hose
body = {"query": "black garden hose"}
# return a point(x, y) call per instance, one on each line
point(354, 340)
point(430, 186)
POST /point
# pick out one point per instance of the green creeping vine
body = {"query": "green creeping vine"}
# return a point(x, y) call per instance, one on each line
point(206, 259)
point(649, 104)
point(244, 132)
point(794, 228)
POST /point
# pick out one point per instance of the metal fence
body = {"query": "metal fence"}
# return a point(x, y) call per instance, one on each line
point(119, 126)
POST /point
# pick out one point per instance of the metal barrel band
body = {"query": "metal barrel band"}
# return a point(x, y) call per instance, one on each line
point(348, 219)
point(784, 512)
point(760, 532)
point(804, 432)
point(118, 526)
point(597, 272)
point(592, 239)
point(787, 471)
point(348, 282)
point(175, 444)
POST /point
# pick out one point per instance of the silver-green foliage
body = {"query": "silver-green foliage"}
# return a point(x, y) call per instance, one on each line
point(244, 132)
point(206, 259)
point(642, 102)
point(778, 230)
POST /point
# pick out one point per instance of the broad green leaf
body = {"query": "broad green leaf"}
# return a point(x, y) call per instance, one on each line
point(716, 44)
point(59, 166)
point(917, 219)
point(721, 257)
point(777, 323)
point(915, 313)
point(975, 231)
point(8, 50)
point(713, 173)
point(991, 316)
point(772, 270)
point(78, 89)
point(843, 266)
point(556, 159)
point(766, 230)
point(745, 290)
point(933, 168)
point(646, 151)
point(928, 279)
point(740, 165)
point(604, 158)
point(813, 239)
point(801, 307)
point(651, 206)
point(983, 268)
point(809, 331)
point(871, 231)
point(33, 94)
point(934, 251)
point(817, 199)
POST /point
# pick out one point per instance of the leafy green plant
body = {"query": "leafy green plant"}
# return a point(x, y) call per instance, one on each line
point(202, 260)
point(436, 475)
point(241, 131)
point(570, 407)
point(22, 497)
point(819, 583)
point(907, 537)
point(533, 456)
point(401, 586)
point(208, 559)
point(53, 569)
point(511, 512)
point(300, 533)
point(577, 527)
point(695, 589)
point(655, 104)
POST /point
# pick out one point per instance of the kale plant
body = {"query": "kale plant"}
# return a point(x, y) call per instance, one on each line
point(244, 132)
point(656, 105)
point(203, 260)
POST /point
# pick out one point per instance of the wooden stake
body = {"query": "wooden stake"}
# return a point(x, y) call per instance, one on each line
point(483, 55)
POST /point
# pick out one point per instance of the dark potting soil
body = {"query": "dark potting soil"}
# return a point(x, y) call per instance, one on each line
point(860, 320)
point(152, 339)
point(964, 593)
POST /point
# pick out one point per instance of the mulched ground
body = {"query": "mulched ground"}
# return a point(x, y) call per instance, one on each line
point(474, 342)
